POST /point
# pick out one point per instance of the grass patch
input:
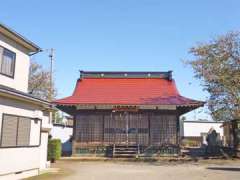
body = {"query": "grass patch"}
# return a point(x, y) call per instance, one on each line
point(42, 176)
point(49, 175)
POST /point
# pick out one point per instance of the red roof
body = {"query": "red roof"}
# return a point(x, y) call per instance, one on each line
point(126, 91)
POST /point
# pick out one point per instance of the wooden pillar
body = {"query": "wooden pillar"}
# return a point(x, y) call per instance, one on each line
point(178, 140)
point(149, 128)
point(74, 135)
point(236, 131)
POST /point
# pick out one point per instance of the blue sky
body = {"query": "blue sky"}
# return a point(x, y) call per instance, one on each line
point(128, 35)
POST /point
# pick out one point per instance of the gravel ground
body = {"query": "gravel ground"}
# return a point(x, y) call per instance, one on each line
point(211, 169)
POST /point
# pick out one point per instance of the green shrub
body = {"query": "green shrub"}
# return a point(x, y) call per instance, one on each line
point(54, 149)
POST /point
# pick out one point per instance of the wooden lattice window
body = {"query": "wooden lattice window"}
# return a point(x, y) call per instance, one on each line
point(163, 129)
point(89, 128)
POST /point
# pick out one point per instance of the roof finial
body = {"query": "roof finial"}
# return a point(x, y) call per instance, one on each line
point(81, 73)
point(170, 75)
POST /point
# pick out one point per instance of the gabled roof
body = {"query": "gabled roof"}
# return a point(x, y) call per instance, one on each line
point(10, 33)
point(126, 88)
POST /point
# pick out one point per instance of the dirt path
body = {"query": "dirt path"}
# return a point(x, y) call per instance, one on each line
point(219, 170)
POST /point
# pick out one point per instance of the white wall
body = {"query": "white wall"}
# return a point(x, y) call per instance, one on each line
point(20, 81)
point(35, 133)
point(43, 150)
point(23, 159)
point(18, 159)
point(195, 129)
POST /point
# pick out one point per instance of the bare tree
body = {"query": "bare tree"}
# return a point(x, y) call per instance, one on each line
point(39, 82)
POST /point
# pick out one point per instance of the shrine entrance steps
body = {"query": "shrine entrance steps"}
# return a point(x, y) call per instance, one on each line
point(125, 151)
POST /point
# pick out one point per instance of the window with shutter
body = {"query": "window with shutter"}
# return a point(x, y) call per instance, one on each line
point(7, 62)
point(9, 131)
point(1, 55)
point(15, 131)
point(23, 135)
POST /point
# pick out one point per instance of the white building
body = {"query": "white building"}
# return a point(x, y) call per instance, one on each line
point(24, 120)
point(64, 130)
point(200, 128)
point(64, 133)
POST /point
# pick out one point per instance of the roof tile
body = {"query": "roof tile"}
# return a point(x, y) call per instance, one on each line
point(126, 91)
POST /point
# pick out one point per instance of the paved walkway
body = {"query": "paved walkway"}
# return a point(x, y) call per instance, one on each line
point(212, 170)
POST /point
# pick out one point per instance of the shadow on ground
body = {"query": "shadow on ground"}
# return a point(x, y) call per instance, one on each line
point(224, 168)
point(205, 152)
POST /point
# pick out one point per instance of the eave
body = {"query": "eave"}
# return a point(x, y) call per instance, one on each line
point(24, 97)
point(184, 108)
point(11, 34)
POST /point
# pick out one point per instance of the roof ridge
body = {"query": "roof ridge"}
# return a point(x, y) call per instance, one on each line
point(126, 74)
